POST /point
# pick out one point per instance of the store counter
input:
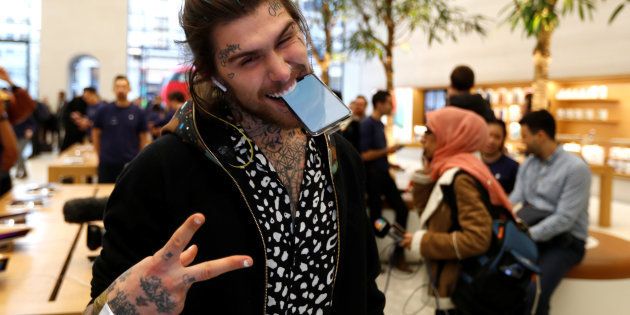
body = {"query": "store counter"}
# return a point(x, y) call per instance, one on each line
point(48, 271)
point(78, 162)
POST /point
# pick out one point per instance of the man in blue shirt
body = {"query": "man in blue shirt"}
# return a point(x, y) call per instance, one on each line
point(374, 152)
point(553, 187)
point(120, 131)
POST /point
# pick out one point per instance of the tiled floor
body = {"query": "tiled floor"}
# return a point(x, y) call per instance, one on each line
point(405, 292)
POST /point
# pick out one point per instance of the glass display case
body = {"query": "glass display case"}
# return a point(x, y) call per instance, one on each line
point(508, 104)
point(614, 152)
point(619, 156)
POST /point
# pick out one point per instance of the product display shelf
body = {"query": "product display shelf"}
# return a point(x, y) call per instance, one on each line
point(588, 101)
point(589, 121)
point(613, 152)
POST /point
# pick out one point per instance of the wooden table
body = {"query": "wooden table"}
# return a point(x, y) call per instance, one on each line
point(605, 173)
point(79, 162)
point(48, 270)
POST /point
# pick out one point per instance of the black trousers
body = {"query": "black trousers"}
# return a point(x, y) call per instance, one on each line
point(380, 184)
point(107, 173)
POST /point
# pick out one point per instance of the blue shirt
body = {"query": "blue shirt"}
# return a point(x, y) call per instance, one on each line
point(120, 130)
point(504, 170)
point(373, 138)
point(560, 185)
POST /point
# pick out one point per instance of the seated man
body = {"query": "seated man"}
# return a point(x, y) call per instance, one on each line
point(553, 186)
point(493, 154)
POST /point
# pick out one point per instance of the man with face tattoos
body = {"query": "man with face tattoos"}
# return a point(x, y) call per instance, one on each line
point(236, 184)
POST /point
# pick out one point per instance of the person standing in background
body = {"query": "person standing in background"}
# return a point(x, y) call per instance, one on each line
point(16, 105)
point(493, 154)
point(374, 152)
point(174, 101)
point(75, 131)
point(462, 81)
point(352, 132)
point(119, 133)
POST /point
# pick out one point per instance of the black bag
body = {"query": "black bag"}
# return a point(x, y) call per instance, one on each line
point(499, 281)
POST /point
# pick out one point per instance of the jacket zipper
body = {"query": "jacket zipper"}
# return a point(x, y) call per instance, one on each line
point(246, 203)
point(332, 179)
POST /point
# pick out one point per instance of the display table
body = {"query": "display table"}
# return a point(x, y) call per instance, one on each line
point(605, 174)
point(48, 270)
point(78, 162)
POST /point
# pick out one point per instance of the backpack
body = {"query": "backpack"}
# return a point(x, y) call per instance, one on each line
point(499, 281)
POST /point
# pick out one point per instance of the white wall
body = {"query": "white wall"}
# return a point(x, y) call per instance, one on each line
point(590, 48)
point(82, 27)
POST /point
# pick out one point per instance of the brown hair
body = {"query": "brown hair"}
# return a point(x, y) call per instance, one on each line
point(121, 77)
point(199, 19)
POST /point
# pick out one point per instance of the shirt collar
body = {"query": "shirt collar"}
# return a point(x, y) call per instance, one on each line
point(559, 150)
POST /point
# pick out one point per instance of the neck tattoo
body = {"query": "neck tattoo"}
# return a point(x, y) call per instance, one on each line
point(284, 148)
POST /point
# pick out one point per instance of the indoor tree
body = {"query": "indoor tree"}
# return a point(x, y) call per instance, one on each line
point(539, 19)
point(618, 10)
point(326, 15)
point(384, 24)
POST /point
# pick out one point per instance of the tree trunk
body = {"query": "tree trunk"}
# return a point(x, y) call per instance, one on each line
point(389, 69)
point(388, 59)
point(542, 57)
point(327, 58)
point(388, 64)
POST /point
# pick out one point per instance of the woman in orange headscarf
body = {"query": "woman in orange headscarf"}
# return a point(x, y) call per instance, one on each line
point(451, 144)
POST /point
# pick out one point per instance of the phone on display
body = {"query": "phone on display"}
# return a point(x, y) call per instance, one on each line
point(316, 106)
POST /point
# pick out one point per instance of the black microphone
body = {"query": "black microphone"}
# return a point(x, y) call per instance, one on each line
point(83, 210)
point(382, 227)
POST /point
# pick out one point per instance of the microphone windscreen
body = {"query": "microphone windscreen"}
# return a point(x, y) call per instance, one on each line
point(83, 210)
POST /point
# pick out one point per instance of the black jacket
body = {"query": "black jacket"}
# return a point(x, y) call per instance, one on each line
point(473, 102)
point(172, 179)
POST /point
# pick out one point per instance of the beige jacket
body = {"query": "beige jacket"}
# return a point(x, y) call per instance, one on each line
point(434, 242)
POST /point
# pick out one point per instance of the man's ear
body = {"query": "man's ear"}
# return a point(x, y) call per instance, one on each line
point(219, 85)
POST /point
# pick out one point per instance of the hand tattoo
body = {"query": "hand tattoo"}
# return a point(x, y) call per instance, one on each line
point(121, 306)
point(274, 7)
point(141, 301)
point(189, 280)
point(226, 52)
point(167, 256)
point(157, 294)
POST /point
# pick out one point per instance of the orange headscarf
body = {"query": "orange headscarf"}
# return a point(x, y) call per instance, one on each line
point(459, 133)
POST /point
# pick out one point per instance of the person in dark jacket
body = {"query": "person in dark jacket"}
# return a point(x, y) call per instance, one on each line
point(285, 207)
point(462, 81)
point(74, 131)
point(352, 132)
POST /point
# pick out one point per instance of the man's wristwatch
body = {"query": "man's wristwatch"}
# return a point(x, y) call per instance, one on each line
point(4, 116)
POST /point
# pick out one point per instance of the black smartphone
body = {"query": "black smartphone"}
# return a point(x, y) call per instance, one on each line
point(316, 106)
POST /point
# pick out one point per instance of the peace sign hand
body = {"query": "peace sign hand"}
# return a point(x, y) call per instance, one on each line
point(159, 283)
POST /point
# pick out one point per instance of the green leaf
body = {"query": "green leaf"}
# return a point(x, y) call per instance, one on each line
point(616, 13)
